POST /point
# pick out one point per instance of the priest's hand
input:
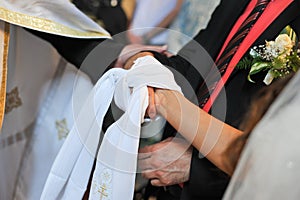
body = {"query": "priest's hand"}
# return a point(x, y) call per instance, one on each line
point(166, 163)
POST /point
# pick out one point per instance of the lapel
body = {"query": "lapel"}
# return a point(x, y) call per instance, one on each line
point(222, 20)
point(274, 9)
point(211, 40)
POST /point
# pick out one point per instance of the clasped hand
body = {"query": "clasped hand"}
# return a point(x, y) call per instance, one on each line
point(167, 162)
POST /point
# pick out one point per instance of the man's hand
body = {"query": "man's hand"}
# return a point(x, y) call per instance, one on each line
point(166, 163)
point(128, 64)
point(132, 49)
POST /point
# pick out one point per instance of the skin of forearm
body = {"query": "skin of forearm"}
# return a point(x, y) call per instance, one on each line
point(206, 133)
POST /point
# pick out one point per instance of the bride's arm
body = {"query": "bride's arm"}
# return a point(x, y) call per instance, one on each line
point(208, 134)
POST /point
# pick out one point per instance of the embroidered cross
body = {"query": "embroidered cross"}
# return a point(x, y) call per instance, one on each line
point(101, 186)
point(13, 100)
point(102, 191)
point(62, 129)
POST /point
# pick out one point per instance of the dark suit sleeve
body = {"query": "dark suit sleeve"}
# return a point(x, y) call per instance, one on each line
point(295, 24)
point(75, 50)
point(206, 181)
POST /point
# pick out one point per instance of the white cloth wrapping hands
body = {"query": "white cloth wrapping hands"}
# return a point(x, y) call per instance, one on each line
point(115, 170)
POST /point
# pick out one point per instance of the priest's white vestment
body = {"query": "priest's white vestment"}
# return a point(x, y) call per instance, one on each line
point(38, 84)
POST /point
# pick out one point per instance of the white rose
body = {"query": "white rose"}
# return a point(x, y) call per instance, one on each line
point(284, 43)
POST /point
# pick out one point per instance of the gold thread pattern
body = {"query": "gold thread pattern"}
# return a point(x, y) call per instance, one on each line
point(17, 137)
point(62, 129)
point(45, 25)
point(13, 100)
point(102, 187)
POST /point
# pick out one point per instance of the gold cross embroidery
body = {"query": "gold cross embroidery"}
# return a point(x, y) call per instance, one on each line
point(102, 191)
point(13, 100)
point(62, 129)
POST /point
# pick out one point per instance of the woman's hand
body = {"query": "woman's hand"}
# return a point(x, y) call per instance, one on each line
point(151, 110)
point(161, 101)
point(156, 97)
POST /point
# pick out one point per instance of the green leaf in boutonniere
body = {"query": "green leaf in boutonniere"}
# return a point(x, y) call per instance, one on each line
point(257, 67)
point(245, 63)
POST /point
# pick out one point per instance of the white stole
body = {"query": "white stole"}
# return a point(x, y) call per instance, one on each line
point(114, 175)
point(59, 17)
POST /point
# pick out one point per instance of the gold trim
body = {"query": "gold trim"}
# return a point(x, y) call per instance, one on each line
point(4, 72)
point(45, 25)
point(62, 128)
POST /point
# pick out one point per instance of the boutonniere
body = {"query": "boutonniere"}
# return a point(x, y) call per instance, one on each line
point(278, 58)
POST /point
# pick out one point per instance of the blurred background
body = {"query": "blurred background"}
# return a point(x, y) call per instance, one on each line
point(171, 22)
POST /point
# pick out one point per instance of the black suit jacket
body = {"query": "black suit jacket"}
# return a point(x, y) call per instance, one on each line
point(206, 181)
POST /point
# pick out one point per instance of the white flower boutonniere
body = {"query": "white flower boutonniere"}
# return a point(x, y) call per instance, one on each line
point(279, 57)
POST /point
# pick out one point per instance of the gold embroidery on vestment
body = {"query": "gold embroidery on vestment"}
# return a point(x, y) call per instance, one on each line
point(45, 25)
point(62, 129)
point(13, 100)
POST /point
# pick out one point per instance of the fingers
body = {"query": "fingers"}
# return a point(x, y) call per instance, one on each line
point(159, 49)
point(151, 110)
point(130, 61)
point(158, 178)
point(132, 49)
point(158, 183)
point(150, 174)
